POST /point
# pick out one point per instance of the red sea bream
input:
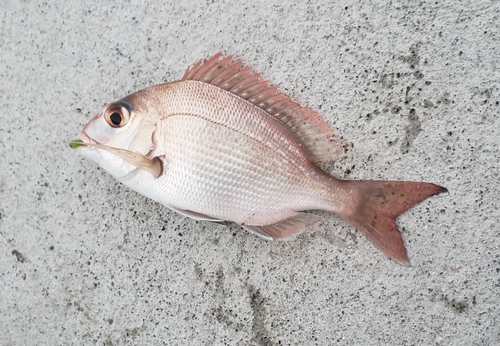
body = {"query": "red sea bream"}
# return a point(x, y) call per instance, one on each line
point(221, 145)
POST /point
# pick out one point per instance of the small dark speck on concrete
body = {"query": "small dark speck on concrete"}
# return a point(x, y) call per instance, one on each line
point(19, 256)
point(418, 74)
point(413, 59)
point(455, 305)
point(51, 247)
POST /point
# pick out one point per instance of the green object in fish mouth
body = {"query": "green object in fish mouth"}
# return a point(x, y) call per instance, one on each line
point(76, 143)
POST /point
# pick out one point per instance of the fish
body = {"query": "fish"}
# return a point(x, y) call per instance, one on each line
point(221, 144)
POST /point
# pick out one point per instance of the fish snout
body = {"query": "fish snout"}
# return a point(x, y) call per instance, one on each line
point(85, 138)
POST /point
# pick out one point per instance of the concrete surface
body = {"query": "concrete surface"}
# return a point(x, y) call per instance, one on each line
point(413, 88)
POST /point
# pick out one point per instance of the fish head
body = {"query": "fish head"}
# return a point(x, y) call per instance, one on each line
point(124, 126)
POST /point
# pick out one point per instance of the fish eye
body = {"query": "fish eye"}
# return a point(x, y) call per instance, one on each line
point(117, 114)
point(116, 118)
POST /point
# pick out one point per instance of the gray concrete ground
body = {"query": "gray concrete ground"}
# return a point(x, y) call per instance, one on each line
point(412, 87)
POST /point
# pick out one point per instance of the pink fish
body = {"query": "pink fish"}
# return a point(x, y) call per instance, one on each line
point(221, 145)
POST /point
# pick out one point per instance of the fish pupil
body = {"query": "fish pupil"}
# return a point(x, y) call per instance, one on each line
point(116, 118)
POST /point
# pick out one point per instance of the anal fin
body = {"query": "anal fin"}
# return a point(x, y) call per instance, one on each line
point(284, 230)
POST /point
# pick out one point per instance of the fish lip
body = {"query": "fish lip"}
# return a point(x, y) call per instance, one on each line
point(86, 139)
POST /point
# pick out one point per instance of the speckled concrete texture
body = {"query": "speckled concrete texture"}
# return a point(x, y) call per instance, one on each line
point(412, 87)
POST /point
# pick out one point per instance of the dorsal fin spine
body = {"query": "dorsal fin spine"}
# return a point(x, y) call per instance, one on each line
point(267, 104)
point(217, 69)
point(286, 109)
point(207, 65)
point(264, 93)
point(231, 70)
point(280, 105)
point(186, 73)
point(233, 80)
point(193, 70)
point(256, 88)
point(245, 84)
point(251, 91)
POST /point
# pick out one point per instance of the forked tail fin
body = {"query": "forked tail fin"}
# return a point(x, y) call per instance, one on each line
point(379, 203)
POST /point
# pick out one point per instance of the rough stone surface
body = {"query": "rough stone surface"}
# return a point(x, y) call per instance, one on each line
point(412, 87)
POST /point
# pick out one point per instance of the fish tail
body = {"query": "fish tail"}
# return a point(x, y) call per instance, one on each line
point(376, 204)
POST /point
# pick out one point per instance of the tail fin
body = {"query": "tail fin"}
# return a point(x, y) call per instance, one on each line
point(379, 203)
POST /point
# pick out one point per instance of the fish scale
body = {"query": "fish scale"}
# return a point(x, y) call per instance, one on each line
point(260, 182)
point(222, 107)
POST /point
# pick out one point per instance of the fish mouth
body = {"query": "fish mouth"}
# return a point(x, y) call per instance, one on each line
point(85, 138)
point(83, 141)
point(153, 166)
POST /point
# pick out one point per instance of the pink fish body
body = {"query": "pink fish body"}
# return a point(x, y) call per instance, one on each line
point(220, 145)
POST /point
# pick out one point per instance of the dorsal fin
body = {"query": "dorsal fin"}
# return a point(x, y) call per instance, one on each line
point(313, 130)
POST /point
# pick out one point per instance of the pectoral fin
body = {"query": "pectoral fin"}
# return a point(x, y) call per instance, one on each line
point(284, 230)
point(154, 165)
